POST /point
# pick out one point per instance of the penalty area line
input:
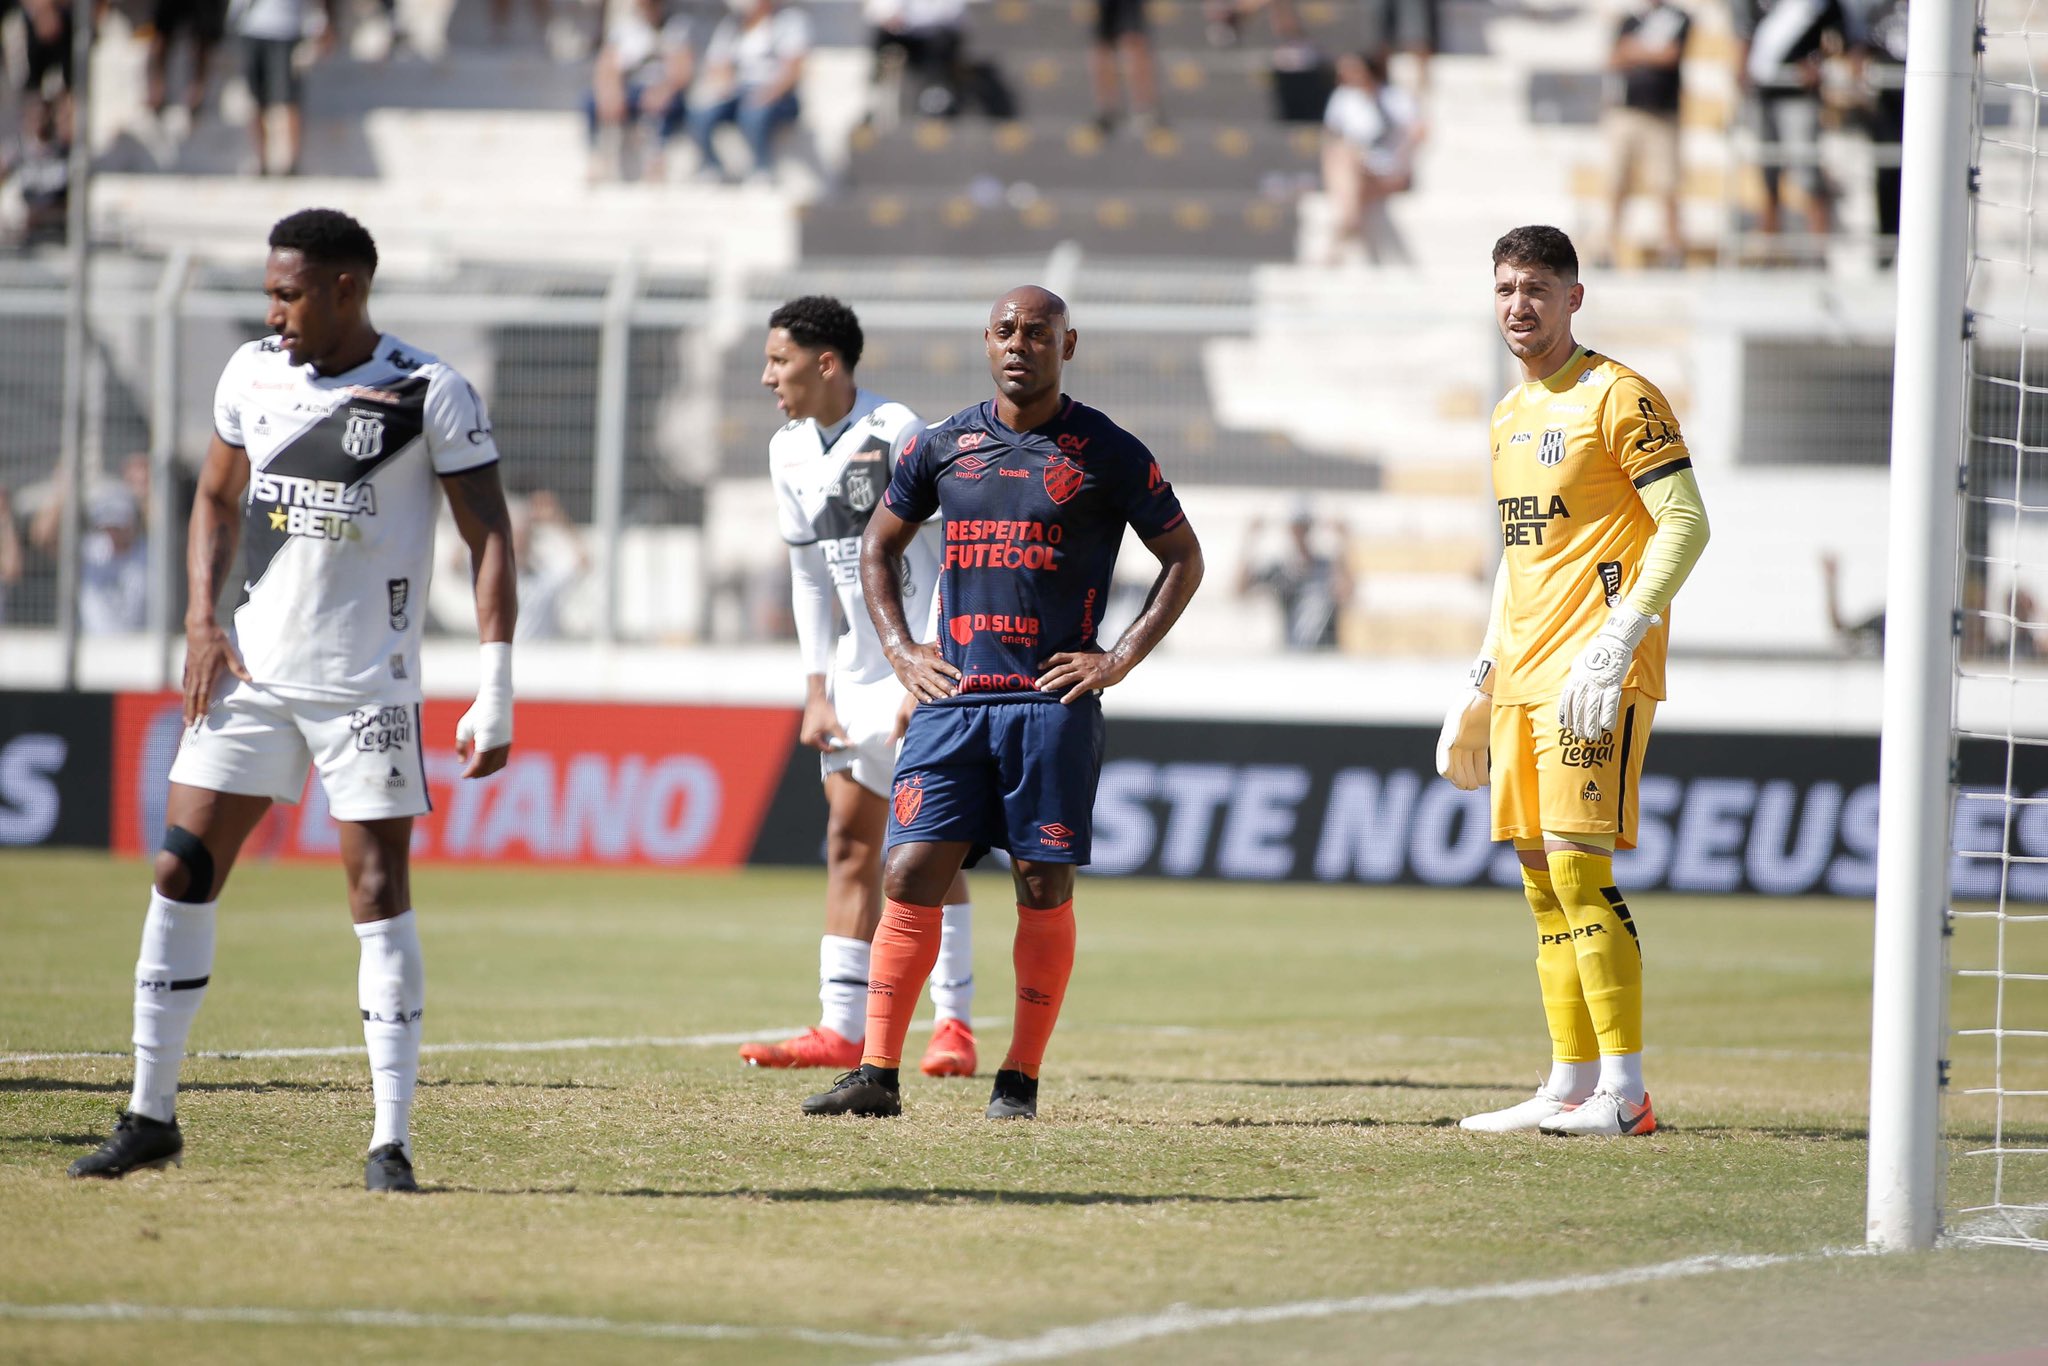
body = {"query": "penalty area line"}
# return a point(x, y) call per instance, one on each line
point(474, 1323)
point(1109, 1334)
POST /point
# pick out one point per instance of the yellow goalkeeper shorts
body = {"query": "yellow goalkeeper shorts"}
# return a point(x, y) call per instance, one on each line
point(1547, 779)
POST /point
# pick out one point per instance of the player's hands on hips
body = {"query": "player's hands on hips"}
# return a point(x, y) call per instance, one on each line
point(820, 729)
point(208, 655)
point(1461, 746)
point(923, 671)
point(1076, 673)
point(483, 737)
point(1591, 701)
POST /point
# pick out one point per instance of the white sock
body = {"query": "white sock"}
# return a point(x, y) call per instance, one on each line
point(391, 987)
point(843, 986)
point(1572, 1082)
point(1622, 1073)
point(170, 981)
point(953, 974)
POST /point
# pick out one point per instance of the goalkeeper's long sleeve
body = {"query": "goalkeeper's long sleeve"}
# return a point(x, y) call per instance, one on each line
point(811, 603)
point(1496, 615)
point(1674, 503)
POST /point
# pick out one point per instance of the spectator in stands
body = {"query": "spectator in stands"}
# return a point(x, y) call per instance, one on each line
point(270, 32)
point(1784, 42)
point(1406, 26)
point(202, 23)
point(927, 37)
point(10, 552)
point(1864, 635)
point(1311, 588)
point(1371, 130)
point(640, 79)
point(1121, 36)
point(1226, 19)
point(751, 66)
point(46, 49)
point(1642, 129)
point(39, 164)
point(552, 559)
point(1881, 63)
point(113, 571)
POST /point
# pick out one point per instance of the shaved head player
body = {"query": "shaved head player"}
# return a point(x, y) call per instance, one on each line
point(1034, 490)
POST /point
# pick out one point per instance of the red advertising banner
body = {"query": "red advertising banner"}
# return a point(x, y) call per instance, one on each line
point(589, 783)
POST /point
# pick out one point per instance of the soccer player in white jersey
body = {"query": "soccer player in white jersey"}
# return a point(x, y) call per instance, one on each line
point(329, 440)
point(829, 465)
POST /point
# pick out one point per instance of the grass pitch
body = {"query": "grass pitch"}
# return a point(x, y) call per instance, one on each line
point(1250, 1104)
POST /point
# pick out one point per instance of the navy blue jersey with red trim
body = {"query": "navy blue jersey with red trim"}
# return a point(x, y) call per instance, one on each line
point(1033, 522)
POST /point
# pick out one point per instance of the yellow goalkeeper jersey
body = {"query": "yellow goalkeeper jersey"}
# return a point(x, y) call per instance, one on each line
point(1569, 454)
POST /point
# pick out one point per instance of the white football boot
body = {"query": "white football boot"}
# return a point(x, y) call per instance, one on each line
point(1530, 1114)
point(1606, 1114)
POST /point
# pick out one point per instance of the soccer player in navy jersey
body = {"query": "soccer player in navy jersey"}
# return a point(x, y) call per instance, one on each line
point(1034, 490)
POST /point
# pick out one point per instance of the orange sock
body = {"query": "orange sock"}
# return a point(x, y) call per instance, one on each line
point(906, 948)
point(1044, 956)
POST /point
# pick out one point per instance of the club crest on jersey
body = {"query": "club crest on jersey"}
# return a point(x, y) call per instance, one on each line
point(1551, 452)
point(1062, 479)
point(363, 437)
point(909, 798)
point(860, 490)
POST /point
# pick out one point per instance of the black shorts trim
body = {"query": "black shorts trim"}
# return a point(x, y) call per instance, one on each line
point(419, 752)
point(1649, 477)
point(1628, 740)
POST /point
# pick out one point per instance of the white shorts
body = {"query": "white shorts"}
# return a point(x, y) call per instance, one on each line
point(257, 744)
point(867, 713)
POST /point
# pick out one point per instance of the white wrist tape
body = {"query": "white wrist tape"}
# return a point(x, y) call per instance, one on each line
point(489, 721)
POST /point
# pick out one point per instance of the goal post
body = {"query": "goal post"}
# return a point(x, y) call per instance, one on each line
point(1909, 969)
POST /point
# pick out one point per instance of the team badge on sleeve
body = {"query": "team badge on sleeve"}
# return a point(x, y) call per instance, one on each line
point(1062, 478)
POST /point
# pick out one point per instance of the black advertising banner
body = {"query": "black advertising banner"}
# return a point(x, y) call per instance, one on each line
point(56, 768)
point(1780, 815)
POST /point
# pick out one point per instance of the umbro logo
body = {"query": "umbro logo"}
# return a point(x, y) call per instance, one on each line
point(1054, 835)
point(1590, 792)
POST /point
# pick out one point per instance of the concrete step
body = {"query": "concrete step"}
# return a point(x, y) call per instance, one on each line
point(1144, 225)
point(1074, 155)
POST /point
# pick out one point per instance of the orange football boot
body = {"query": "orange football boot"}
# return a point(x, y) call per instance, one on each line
point(951, 1052)
point(815, 1047)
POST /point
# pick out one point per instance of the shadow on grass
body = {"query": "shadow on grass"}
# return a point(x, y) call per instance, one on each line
point(56, 1140)
point(1308, 1083)
point(905, 1195)
point(1327, 1122)
point(1846, 1134)
point(258, 1087)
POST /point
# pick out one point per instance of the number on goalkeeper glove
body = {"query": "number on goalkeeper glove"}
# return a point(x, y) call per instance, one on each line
point(1591, 701)
point(1461, 745)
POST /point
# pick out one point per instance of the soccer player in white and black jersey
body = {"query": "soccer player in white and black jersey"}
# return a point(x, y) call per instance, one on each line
point(829, 465)
point(329, 440)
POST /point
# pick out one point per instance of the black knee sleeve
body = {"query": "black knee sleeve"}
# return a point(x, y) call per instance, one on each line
point(184, 846)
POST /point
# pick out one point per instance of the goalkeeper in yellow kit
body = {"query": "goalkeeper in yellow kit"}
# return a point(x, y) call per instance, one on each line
point(1601, 521)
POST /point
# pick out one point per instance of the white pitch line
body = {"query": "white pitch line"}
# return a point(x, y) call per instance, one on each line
point(1110, 1334)
point(499, 1046)
point(400, 1318)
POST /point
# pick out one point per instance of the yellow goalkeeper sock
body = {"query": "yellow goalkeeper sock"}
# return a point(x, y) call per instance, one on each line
point(1610, 960)
point(1557, 972)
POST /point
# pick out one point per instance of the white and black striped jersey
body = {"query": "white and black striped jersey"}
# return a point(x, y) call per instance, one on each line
point(338, 525)
point(825, 491)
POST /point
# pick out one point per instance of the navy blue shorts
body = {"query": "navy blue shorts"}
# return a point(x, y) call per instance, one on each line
point(1001, 775)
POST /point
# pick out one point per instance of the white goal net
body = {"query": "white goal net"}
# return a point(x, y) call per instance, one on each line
point(1997, 1098)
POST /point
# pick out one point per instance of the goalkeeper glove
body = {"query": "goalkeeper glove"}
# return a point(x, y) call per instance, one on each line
point(487, 725)
point(1591, 701)
point(1461, 745)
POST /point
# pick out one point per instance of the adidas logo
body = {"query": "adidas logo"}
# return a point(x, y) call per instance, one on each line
point(1591, 791)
